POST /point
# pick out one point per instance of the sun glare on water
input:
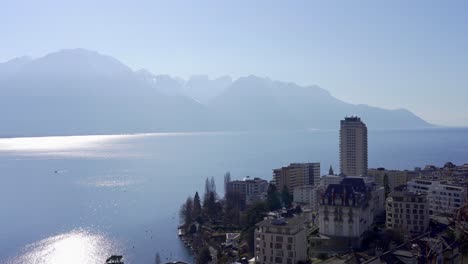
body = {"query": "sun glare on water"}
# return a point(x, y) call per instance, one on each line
point(76, 247)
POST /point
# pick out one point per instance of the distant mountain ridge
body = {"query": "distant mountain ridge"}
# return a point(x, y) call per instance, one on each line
point(79, 91)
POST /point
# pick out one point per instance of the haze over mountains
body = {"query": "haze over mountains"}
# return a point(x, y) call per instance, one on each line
point(83, 92)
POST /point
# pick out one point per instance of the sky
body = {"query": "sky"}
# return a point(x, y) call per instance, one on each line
point(390, 54)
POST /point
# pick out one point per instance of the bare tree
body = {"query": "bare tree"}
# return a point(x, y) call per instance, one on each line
point(157, 259)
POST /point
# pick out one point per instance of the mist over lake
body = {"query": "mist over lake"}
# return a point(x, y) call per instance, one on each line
point(80, 199)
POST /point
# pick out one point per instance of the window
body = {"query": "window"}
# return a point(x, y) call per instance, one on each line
point(290, 240)
point(279, 239)
point(278, 260)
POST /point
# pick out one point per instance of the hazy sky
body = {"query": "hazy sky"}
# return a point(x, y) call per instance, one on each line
point(392, 54)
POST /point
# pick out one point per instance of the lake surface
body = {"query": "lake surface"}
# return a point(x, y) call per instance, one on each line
point(80, 199)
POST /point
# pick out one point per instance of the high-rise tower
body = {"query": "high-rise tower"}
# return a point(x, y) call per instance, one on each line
point(353, 147)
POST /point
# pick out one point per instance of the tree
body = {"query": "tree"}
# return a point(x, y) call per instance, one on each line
point(273, 200)
point(213, 187)
point(286, 197)
point(234, 203)
point(330, 171)
point(210, 187)
point(186, 212)
point(157, 259)
point(254, 215)
point(197, 210)
point(227, 179)
point(204, 256)
point(386, 185)
point(207, 190)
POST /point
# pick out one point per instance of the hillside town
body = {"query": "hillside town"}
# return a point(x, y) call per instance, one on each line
point(354, 215)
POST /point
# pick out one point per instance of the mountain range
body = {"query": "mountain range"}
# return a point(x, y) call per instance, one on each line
point(78, 91)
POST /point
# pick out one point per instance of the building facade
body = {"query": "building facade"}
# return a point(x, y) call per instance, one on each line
point(407, 211)
point(252, 189)
point(444, 198)
point(395, 177)
point(281, 241)
point(353, 147)
point(346, 209)
point(330, 179)
point(307, 196)
point(296, 175)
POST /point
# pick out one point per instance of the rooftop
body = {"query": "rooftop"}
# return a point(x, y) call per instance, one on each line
point(283, 222)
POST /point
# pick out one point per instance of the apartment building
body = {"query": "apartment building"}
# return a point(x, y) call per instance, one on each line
point(252, 189)
point(407, 211)
point(281, 241)
point(353, 147)
point(395, 177)
point(444, 198)
point(296, 175)
point(307, 196)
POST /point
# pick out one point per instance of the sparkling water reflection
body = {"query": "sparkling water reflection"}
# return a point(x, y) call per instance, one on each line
point(75, 247)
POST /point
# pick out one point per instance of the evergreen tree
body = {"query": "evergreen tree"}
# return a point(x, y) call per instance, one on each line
point(207, 190)
point(204, 256)
point(330, 171)
point(234, 203)
point(197, 210)
point(286, 197)
point(213, 187)
point(227, 179)
point(186, 212)
point(157, 259)
point(273, 200)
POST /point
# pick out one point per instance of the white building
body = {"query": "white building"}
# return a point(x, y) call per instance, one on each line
point(253, 189)
point(443, 198)
point(307, 196)
point(330, 179)
point(281, 241)
point(353, 147)
point(346, 210)
point(407, 212)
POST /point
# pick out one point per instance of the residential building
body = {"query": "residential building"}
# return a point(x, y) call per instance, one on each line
point(444, 198)
point(281, 241)
point(407, 211)
point(232, 239)
point(296, 175)
point(307, 196)
point(330, 179)
point(428, 248)
point(253, 189)
point(395, 178)
point(346, 210)
point(353, 147)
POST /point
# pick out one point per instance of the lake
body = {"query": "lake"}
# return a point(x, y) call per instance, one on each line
point(80, 199)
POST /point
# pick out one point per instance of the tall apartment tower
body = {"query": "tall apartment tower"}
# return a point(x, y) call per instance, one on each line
point(353, 147)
